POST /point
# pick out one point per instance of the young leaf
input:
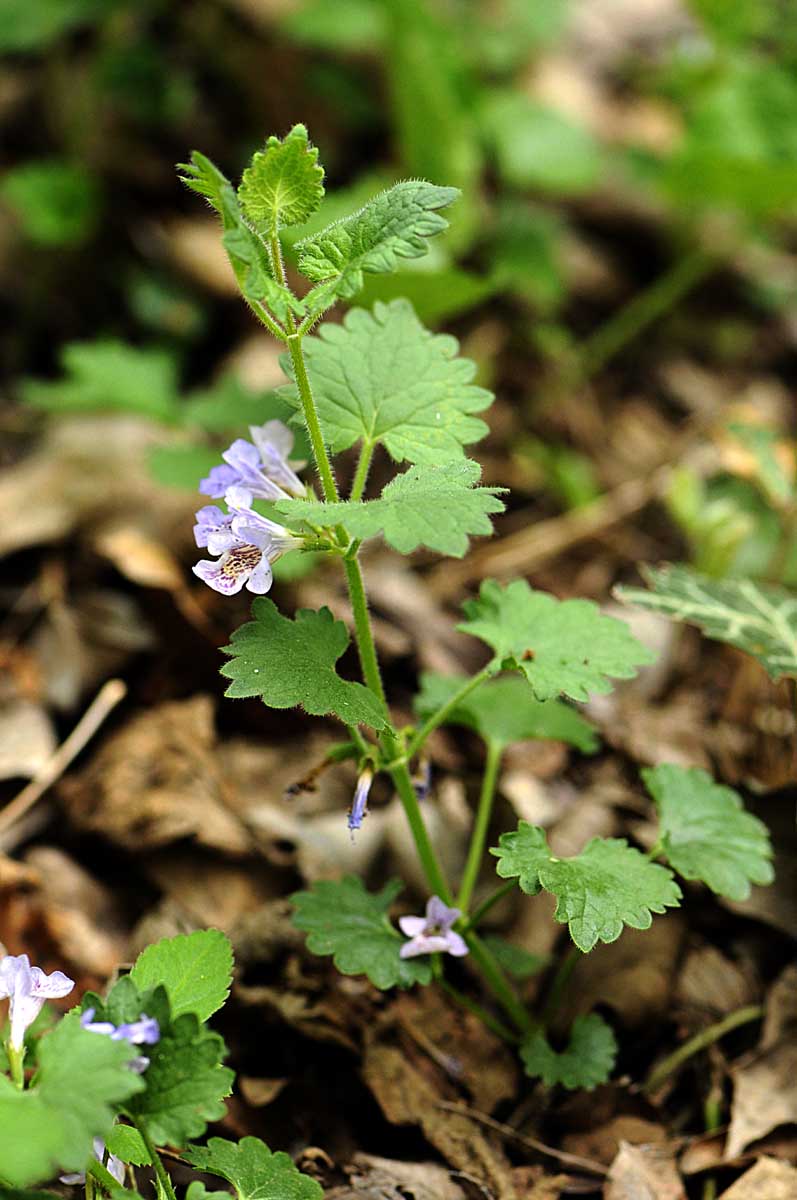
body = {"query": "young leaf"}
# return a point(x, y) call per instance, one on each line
point(110, 376)
point(289, 663)
point(429, 506)
point(195, 968)
point(81, 1078)
point(283, 185)
point(394, 225)
point(561, 646)
point(126, 1143)
point(759, 619)
point(343, 919)
point(705, 832)
point(606, 886)
point(382, 377)
point(588, 1060)
point(254, 1171)
point(185, 1081)
point(504, 711)
point(247, 254)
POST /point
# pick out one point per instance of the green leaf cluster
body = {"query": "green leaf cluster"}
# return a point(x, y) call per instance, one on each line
point(81, 1080)
point(565, 647)
point(342, 919)
point(283, 185)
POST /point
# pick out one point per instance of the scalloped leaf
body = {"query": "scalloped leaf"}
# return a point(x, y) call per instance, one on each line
point(587, 1061)
point(393, 225)
point(195, 968)
point(292, 662)
point(562, 646)
point(504, 711)
point(283, 185)
point(434, 506)
point(381, 377)
point(608, 885)
point(255, 1172)
point(706, 833)
point(755, 617)
point(342, 919)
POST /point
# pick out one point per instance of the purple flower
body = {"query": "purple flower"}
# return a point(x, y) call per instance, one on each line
point(248, 545)
point(359, 805)
point(260, 470)
point(145, 1031)
point(27, 988)
point(113, 1164)
point(433, 934)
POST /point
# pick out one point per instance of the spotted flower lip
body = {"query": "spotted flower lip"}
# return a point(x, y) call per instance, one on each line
point(27, 988)
point(258, 468)
point(248, 545)
point(359, 805)
point(432, 933)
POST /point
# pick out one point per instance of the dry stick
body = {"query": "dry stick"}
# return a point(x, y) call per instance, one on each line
point(101, 706)
point(569, 1160)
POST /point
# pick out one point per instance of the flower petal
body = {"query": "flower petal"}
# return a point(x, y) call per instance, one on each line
point(412, 926)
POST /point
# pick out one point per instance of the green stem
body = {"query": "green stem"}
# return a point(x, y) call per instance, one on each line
point(294, 344)
point(439, 717)
point(560, 982)
point(481, 825)
point(646, 307)
point(262, 314)
point(497, 982)
point(706, 1037)
point(362, 629)
point(492, 1023)
point(160, 1171)
point(361, 474)
point(16, 1059)
point(420, 835)
point(97, 1170)
point(481, 912)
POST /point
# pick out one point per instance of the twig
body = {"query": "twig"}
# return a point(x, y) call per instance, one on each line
point(562, 1156)
point(101, 706)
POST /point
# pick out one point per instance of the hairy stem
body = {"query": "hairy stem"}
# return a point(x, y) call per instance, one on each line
point(362, 629)
point(361, 474)
point(706, 1037)
point(294, 343)
point(479, 835)
point(560, 982)
point(99, 1172)
point(160, 1171)
point(439, 717)
point(412, 809)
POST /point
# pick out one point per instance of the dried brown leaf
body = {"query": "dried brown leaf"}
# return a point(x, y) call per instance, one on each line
point(769, 1179)
point(644, 1173)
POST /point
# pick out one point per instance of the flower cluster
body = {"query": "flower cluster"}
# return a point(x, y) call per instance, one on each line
point(143, 1032)
point(246, 543)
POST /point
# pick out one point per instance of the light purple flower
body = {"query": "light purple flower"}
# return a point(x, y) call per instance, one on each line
point(113, 1165)
point(27, 988)
point(359, 805)
point(260, 469)
point(248, 546)
point(143, 1032)
point(433, 934)
point(214, 529)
